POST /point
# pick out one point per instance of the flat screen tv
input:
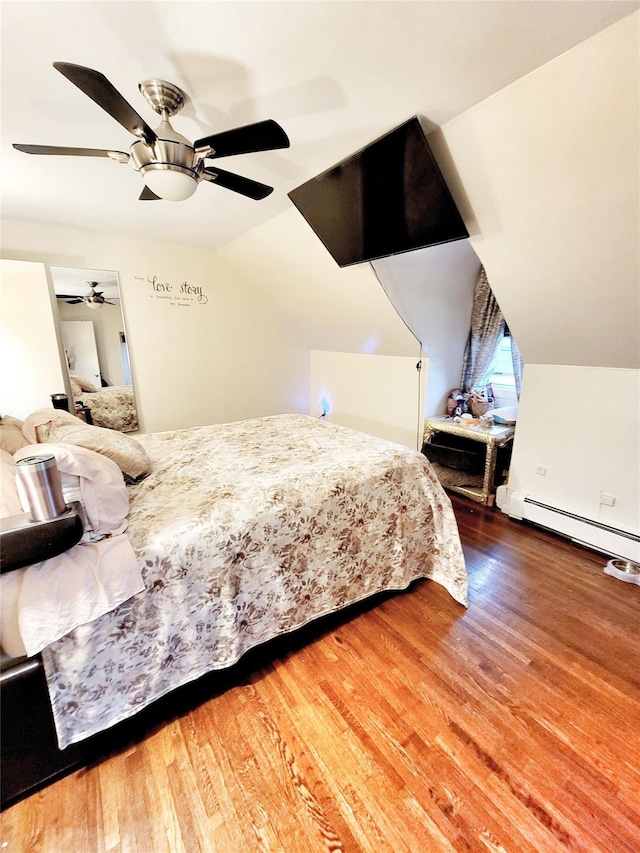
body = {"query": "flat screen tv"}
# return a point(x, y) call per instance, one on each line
point(388, 198)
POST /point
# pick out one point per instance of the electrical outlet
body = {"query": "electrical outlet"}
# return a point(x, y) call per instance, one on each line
point(607, 500)
point(540, 469)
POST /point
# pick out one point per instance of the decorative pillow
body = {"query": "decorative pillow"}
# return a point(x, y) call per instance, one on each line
point(9, 500)
point(76, 390)
point(36, 425)
point(11, 436)
point(83, 385)
point(125, 451)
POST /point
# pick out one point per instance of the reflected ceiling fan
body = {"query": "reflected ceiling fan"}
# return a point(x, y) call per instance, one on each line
point(93, 299)
point(170, 165)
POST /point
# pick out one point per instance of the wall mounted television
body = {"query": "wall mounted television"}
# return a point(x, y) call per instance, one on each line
point(387, 198)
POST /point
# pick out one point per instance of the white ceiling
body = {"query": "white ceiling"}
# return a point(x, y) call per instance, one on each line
point(76, 282)
point(334, 74)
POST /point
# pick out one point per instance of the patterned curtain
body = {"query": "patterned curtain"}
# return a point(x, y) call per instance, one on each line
point(487, 330)
point(488, 327)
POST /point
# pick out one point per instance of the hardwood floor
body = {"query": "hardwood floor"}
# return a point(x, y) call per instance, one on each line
point(409, 724)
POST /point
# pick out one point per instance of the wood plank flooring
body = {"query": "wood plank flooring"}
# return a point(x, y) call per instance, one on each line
point(409, 724)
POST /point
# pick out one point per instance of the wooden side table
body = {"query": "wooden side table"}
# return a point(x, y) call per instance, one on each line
point(493, 438)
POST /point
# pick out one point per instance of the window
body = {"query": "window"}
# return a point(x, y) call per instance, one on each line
point(502, 379)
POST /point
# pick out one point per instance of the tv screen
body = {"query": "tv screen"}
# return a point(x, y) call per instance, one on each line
point(388, 198)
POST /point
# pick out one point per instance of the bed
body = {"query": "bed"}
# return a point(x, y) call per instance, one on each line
point(244, 532)
point(113, 406)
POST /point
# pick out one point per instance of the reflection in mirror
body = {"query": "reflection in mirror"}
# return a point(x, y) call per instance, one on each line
point(95, 346)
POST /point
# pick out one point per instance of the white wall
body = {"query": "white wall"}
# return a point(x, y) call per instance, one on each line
point(381, 395)
point(339, 310)
point(547, 176)
point(432, 289)
point(234, 357)
point(271, 296)
point(581, 424)
point(29, 354)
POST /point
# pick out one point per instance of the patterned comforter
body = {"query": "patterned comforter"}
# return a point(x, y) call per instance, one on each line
point(113, 407)
point(243, 532)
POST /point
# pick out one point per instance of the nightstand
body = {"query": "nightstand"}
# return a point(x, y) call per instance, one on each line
point(84, 413)
point(468, 459)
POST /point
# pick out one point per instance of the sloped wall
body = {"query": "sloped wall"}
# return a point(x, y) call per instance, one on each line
point(341, 310)
point(546, 174)
point(432, 290)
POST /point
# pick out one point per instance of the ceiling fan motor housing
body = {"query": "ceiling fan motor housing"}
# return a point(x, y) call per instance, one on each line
point(170, 153)
point(165, 154)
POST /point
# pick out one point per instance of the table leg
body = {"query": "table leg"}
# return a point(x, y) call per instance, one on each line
point(489, 473)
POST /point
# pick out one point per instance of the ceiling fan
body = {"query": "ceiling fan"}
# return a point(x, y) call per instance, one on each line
point(170, 165)
point(93, 299)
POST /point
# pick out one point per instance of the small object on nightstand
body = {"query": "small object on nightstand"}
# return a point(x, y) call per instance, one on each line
point(39, 487)
point(60, 401)
point(84, 413)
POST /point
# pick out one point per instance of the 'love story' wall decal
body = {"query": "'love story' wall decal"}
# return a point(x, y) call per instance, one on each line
point(181, 295)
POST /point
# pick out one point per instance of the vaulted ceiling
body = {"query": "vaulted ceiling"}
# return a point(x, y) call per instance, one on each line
point(335, 75)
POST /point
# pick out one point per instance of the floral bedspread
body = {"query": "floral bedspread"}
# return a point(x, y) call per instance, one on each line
point(243, 532)
point(113, 407)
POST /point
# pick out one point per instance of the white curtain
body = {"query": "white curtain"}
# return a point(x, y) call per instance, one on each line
point(487, 330)
point(516, 360)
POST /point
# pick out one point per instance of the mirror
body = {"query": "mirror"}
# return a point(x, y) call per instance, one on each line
point(95, 346)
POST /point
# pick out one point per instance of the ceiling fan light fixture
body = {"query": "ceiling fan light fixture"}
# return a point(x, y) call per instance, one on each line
point(171, 183)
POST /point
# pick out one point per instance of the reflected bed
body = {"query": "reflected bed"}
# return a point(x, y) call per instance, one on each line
point(113, 407)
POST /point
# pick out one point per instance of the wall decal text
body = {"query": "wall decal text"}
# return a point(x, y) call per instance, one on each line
point(182, 295)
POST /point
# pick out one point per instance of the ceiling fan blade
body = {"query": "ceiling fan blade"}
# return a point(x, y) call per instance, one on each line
point(261, 136)
point(99, 89)
point(75, 301)
point(148, 195)
point(236, 183)
point(68, 152)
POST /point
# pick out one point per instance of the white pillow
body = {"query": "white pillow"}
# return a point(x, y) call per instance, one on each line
point(9, 500)
point(83, 384)
point(12, 437)
point(104, 494)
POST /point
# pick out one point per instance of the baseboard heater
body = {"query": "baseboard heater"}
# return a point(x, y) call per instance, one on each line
point(587, 531)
